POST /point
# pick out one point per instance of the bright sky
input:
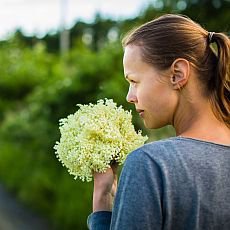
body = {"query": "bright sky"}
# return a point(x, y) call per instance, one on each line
point(42, 16)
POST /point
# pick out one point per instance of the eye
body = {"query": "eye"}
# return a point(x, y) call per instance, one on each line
point(133, 83)
point(130, 80)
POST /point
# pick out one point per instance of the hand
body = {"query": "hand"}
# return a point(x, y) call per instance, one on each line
point(105, 187)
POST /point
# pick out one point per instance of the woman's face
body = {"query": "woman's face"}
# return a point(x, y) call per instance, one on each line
point(150, 90)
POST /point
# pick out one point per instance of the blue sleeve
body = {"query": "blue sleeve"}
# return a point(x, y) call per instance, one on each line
point(138, 202)
point(99, 220)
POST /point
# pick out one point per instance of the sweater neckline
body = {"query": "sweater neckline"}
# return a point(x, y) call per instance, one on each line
point(201, 141)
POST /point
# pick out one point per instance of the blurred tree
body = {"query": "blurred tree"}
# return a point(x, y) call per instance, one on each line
point(95, 34)
point(29, 131)
point(37, 88)
point(214, 15)
point(205, 12)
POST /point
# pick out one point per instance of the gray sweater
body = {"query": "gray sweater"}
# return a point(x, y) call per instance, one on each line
point(178, 183)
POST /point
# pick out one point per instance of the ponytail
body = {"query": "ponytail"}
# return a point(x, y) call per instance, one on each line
point(220, 95)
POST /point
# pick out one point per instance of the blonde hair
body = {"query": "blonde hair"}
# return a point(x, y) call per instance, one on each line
point(172, 36)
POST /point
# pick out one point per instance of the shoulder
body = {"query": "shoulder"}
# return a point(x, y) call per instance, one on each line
point(176, 152)
point(144, 166)
point(149, 156)
point(153, 150)
point(163, 154)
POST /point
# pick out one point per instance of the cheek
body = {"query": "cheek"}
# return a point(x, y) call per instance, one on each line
point(160, 106)
point(146, 93)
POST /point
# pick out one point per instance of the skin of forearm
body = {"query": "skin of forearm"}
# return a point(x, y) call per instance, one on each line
point(105, 187)
point(102, 201)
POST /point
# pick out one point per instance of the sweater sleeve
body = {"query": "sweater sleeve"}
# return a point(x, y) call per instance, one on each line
point(138, 202)
point(99, 220)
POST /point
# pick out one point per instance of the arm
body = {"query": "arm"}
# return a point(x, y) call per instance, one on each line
point(105, 187)
point(138, 202)
point(138, 199)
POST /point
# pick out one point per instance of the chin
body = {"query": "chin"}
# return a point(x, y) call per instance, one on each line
point(153, 125)
point(149, 126)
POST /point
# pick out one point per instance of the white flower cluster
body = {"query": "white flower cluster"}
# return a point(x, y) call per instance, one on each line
point(95, 136)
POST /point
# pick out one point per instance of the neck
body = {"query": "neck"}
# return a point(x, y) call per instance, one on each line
point(198, 121)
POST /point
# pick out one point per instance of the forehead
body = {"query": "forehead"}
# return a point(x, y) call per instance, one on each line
point(133, 61)
point(135, 66)
point(132, 53)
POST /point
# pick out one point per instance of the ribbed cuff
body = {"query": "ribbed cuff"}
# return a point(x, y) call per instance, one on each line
point(99, 220)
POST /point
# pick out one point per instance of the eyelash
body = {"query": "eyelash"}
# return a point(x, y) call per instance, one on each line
point(132, 81)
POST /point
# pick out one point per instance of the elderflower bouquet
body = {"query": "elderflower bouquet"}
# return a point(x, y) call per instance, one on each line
point(95, 136)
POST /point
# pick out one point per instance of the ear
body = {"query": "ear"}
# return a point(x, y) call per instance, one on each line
point(180, 71)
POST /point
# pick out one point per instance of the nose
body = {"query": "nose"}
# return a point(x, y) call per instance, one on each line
point(131, 96)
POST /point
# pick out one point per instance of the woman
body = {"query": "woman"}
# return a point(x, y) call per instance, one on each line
point(175, 78)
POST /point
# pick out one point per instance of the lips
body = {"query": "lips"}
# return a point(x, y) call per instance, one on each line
point(140, 111)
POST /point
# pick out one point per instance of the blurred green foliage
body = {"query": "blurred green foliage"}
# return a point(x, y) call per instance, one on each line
point(38, 87)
